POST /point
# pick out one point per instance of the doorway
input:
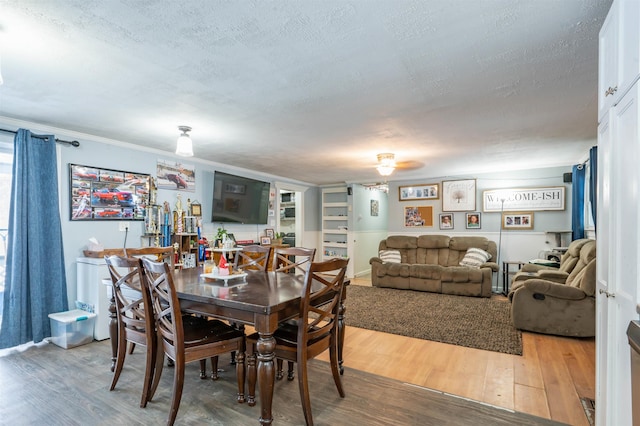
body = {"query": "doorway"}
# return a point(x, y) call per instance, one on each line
point(290, 218)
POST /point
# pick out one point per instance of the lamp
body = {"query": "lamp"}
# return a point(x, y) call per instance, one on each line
point(386, 164)
point(185, 146)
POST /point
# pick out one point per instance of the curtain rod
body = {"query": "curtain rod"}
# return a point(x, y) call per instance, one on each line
point(72, 143)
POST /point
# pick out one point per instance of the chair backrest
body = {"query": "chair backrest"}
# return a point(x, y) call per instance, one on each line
point(253, 257)
point(570, 258)
point(130, 312)
point(292, 259)
point(158, 281)
point(586, 255)
point(318, 321)
point(159, 254)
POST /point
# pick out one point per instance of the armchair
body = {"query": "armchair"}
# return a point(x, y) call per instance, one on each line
point(567, 309)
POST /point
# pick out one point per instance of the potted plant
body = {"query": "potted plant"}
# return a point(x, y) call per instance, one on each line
point(222, 233)
point(278, 238)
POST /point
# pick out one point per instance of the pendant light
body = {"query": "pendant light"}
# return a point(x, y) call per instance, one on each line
point(185, 145)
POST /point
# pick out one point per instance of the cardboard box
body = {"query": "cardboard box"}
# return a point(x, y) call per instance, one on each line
point(72, 328)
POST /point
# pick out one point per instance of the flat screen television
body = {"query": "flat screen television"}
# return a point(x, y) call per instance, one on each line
point(238, 199)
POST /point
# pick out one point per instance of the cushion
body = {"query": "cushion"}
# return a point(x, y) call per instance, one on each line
point(390, 256)
point(475, 258)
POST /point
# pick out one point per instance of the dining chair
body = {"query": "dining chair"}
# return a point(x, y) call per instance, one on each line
point(253, 257)
point(183, 340)
point(314, 331)
point(161, 254)
point(292, 259)
point(135, 321)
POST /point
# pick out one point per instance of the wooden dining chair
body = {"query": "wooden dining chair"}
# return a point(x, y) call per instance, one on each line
point(292, 259)
point(253, 257)
point(160, 254)
point(184, 340)
point(315, 330)
point(135, 321)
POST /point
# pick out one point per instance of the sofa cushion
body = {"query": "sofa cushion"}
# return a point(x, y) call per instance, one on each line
point(475, 257)
point(390, 256)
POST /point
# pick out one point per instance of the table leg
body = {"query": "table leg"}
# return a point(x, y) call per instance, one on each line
point(113, 331)
point(341, 332)
point(266, 346)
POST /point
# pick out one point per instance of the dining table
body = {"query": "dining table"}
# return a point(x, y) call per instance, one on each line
point(262, 299)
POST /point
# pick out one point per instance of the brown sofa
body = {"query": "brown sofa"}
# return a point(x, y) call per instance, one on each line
point(432, 263)
point(566, 308)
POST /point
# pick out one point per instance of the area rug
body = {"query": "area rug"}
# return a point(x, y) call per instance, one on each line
point(474, 322)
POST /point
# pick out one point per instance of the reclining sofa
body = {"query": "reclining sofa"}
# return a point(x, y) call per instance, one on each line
point(433, 263)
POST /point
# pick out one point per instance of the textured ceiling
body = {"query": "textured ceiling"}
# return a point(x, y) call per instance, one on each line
point(313, 90)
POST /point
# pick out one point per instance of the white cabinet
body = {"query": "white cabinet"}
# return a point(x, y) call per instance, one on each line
point(618, 212)
point(619, 54)
point(335, 225)
point(91, 290)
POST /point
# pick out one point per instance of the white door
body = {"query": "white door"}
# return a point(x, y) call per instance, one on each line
point(618, 241)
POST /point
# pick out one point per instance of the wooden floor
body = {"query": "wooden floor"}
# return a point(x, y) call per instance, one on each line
point(547, 381)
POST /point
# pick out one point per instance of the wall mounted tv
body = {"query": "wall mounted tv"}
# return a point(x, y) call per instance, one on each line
point(239, 199)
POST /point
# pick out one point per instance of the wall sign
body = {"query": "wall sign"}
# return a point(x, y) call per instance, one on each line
point(532, 199)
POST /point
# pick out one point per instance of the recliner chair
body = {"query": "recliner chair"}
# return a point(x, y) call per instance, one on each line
point(567, 309)
point(570, 263)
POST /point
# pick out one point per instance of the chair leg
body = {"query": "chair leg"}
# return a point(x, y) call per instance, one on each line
point(240, 372)
point(279, 374)
point(290, 371)
point(178, 384)
point(214, 368)
point(251, 379)
point(132, 346)
point(203, 368)
point(121, 354)
point(335, 368)
point(157, 371)
point(148, 374)
point(303, 384)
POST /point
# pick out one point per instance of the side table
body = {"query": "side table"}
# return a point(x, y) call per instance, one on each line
point(507, 272)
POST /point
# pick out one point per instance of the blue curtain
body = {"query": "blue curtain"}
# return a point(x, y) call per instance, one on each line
point(593, 183)
point(35, 280)
point(577, 205)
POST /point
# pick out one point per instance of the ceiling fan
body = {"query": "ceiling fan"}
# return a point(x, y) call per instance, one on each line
point(387, 164)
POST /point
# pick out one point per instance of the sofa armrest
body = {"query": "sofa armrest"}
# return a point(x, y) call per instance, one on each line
point(553, 275)
point(375, 260)
point(492, 265)
point(559, 291)
point(532, 267)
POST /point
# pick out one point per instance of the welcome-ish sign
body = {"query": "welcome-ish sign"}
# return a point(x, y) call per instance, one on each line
point(551, 198)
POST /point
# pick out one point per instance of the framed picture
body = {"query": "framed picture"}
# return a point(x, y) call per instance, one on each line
point(446, 220)
point(107, 194)
point(459, 195)
point(269, 232)
point(418, 216)
point(517, 220)
point(375, 207)
point(473, 220)
point(196, 209)
point(265, 241)
point(176, 176)
point(427, 191)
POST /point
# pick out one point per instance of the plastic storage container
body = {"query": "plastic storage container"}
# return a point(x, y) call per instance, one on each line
point(72, 328)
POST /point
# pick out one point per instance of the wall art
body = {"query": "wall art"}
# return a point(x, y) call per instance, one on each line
point(517, 220)
point(518, 199)
point(418, 216)
point(107, 194)
point(427, 191)
point(176, 176)
point(459, 195)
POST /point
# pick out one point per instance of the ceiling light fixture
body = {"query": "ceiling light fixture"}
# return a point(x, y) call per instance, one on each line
point(185, 146)
point(386, 163)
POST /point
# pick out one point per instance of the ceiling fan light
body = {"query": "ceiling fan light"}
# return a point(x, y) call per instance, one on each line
point(386, 164)
point(184, 146)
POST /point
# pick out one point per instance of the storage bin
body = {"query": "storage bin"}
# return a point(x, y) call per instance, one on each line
point(72, 328)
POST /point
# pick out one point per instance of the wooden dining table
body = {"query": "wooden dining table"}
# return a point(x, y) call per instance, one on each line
point(260, 299)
